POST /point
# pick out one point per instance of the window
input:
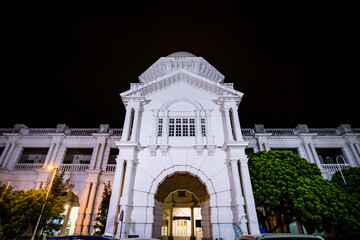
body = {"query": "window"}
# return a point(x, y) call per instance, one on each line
point(182, 127)
point(328, 155)
point(160, 127)
point(33, 155)
point(203, 129)
point(181, 193)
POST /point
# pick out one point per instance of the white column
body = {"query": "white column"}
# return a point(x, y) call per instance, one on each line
point(13, 154)
point(124, 200)
point(314, 153)
point(164, 138)
point(356, 159)
point(229, 135)
point(302, 152)
point(309, 154)
point(171, 224)
point(249, 197)
point(126, 128)
point(197, 128)
point(209, 137)
point(100, 156)
point(48, 156)
point(8, 155)
point(94, 156)
point(238, 195)
point(54, 160)
point(237, 126)
point(114, 205)
point(90, 209)
point(4, 153)
point(135, 124)
point(357, 151)
point(192, 220)
point(81, 213)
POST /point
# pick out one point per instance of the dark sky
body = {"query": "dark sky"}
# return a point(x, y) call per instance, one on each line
point(68, 61)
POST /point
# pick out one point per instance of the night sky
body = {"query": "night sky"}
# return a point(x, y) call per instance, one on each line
point(67, 61)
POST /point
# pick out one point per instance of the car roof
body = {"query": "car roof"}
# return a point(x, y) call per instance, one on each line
point(280, 235)
point(74, 237)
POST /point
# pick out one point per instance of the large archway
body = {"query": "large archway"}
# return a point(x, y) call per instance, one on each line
point(182, 208)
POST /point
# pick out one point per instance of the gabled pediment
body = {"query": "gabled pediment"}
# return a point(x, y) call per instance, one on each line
point(175, 62)
point(219, 90)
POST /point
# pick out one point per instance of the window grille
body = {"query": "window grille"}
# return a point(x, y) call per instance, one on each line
point(203, 128)
point(182, 127)
point(160, 127)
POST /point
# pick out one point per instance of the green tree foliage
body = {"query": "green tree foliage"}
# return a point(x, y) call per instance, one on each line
point(103, 210)
point(352, 178)
point(57, 192)
point(19, 209)
point(287, 185)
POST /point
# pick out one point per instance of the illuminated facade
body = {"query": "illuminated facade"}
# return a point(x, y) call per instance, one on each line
point(178, 167)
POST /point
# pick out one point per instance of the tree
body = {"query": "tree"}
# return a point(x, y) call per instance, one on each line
point(21, 208)
point(352, 178)
point(288, 188)
point(57, 192)
point(103, 210)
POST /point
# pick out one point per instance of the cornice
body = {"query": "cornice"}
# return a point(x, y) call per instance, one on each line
point(166, 65)
point(222, 91)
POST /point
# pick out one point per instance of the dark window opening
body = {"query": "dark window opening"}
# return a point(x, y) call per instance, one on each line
point(33, 155)
point(114, 152)
point(78, 156)
point(328, 155)
point(181, 193)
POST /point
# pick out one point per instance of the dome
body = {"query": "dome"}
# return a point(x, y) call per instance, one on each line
point(181, 54)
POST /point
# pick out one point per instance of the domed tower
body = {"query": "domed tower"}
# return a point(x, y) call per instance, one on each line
point(181, 168)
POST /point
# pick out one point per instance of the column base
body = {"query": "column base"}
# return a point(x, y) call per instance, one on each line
point(192, 238)
point(170, 238)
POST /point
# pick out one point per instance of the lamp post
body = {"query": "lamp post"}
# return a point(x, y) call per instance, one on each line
point(46, 197)
point(340, 166)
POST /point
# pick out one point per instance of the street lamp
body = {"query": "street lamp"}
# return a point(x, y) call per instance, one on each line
point(47, 195)
point(345, 164)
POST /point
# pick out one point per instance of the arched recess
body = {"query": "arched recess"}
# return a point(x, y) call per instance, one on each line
point(194, 105)
point(182, 181)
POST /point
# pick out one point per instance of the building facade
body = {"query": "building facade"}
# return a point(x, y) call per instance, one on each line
point(178, 167)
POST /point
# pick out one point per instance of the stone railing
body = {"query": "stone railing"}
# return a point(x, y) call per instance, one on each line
point(23, 130)
point(301, 129)
point(81, 131)
point(27, 166)
point(111, 167)
point(333, 167)
point(324, 131)
point(74, 167)
point(281, 131)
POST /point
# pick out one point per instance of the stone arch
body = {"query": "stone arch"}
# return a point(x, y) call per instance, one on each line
point(182, 181)
point(167, 105)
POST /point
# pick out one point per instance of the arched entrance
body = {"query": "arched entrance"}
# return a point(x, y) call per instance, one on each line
point(182, 208)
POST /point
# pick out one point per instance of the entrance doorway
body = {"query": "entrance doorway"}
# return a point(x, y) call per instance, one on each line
point(183, 202)
point(182, 215)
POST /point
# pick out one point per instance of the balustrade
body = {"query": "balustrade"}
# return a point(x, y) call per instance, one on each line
point(74, 167)
point(111, 167)
point(247, 131)
point(324, 131)
point(27, 166)
point(281, 131)
point(333, 167)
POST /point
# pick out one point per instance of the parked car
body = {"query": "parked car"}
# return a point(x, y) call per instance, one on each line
point(280, 236)
point(80, 237)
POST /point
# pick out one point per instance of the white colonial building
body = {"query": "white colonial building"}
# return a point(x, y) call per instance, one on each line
point(178, 168)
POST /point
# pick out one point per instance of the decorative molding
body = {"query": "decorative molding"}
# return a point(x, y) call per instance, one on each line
point(225, 93)
point(196, 65)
